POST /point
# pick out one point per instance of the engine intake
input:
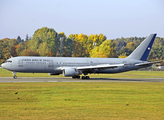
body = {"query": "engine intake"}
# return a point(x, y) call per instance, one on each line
point(70, 72)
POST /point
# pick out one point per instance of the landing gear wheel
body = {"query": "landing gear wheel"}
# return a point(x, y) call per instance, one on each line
point(14, 73)
point(15, 77)
point(78, 77)
point(85, 77)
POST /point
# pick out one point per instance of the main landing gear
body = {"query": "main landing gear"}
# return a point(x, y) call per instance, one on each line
point(85, 77)
point(15, 77)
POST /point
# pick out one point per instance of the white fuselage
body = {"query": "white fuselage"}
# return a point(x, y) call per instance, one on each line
point(55, 64)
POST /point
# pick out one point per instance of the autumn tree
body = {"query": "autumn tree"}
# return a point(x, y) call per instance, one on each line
point(28, 52)
point(19, 40)
point(82, 41)
point(12, 43)
point(8, 47)
point(1, 49)
point(46, 42)
point(157, 51)
point(43, 49)
point(90, 45)
point(47, 36)
point(127, 50)
point(20, 48)
point(68, 47)
point(105, 50)
point(7, 54)
point(83, 44)
point(76, 45)
point(123, 55)
point(15, 47)
point(95, 40)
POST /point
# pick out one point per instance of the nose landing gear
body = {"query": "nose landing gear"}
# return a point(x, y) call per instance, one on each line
point(15, 77)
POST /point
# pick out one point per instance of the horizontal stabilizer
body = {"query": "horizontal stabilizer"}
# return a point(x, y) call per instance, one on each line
point(147, 63)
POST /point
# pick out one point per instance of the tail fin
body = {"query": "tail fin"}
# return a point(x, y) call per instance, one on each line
point(142, 51)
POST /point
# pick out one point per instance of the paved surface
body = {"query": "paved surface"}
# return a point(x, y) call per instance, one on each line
point(32, 79)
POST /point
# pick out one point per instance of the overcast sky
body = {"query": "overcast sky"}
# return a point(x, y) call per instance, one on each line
point(113, 18)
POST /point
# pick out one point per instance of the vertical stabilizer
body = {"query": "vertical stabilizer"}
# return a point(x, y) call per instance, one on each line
point(142, 51)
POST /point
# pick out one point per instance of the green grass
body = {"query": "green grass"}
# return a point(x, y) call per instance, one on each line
point(131, 74)
point(92, 101)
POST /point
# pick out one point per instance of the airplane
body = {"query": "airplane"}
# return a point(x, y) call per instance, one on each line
point(75, 66)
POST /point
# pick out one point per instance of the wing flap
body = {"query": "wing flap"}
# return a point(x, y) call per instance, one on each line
point(105, 66)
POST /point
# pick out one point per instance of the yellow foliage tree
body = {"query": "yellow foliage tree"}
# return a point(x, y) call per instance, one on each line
point(122, 55)
point(61, 33)
point(43, 49)
point(130, 45)
point(105, 50)
point(7, 54)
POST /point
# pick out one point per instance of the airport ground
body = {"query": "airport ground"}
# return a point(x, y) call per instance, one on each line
point(82, 100)
point(130, 74)
point(34, 97)
point(62, 79)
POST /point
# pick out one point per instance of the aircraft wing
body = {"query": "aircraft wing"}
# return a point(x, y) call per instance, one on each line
point(104, 66)
point(147, 63)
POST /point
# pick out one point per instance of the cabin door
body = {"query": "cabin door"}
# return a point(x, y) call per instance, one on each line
point(20, 63)
point(49, 65)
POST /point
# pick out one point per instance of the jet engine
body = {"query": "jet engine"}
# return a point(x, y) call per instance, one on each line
point(70, 72)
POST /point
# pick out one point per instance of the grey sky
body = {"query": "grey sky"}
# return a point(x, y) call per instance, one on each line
point(113, 18)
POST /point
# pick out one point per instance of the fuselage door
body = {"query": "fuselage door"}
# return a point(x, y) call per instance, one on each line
point(20, 63)
point(50, 63)
point(91, 63)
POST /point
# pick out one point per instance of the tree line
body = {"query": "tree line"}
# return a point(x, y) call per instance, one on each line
point(47, 42)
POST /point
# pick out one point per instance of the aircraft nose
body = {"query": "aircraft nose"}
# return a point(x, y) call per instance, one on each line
point(2, 65)
point(6, 66)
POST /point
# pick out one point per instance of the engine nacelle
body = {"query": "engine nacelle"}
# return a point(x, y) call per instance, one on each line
point(70, 72)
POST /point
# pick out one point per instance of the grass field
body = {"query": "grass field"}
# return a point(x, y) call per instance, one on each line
point(131, 74)
point(92, 101)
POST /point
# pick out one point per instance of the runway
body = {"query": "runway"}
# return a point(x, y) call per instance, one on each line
point(38, 79)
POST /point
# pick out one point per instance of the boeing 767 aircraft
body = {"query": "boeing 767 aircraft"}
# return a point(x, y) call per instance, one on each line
point(74, 67)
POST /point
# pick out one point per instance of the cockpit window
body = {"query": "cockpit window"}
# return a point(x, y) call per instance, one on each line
point(8, 61)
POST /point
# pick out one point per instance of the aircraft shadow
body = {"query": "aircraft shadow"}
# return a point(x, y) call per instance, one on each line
point(118, 79)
